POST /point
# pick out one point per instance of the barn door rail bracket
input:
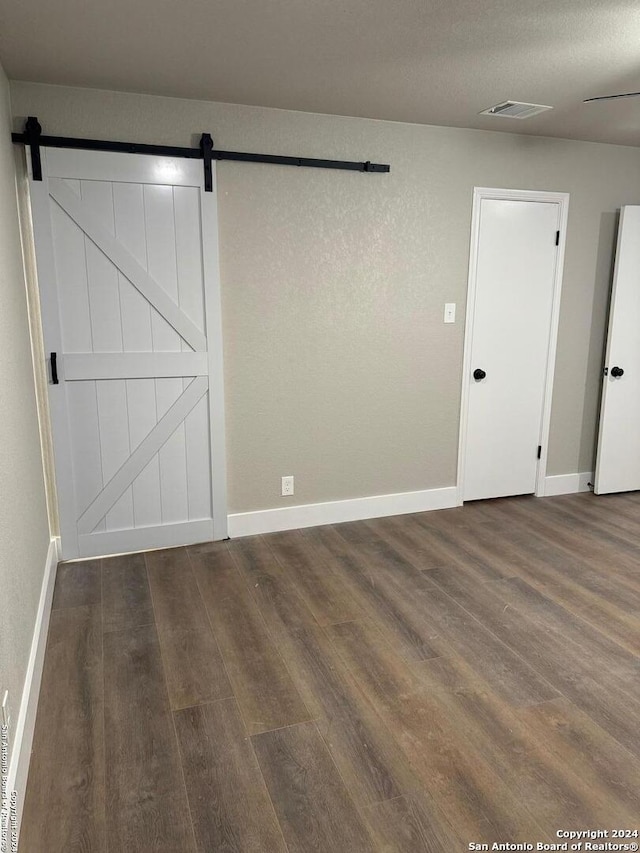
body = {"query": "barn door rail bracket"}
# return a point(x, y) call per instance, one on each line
point(33, 137)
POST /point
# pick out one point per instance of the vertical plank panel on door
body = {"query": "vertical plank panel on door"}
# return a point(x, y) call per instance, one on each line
point(71, 268)
point(104, 296)
point(106, 325)
point(114, 441)
point(190, 277)
point(161, 251)
point(85, 443)
point(137, 336)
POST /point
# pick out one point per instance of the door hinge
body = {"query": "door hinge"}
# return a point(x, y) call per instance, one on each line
point(539, 451)
point(557, 238)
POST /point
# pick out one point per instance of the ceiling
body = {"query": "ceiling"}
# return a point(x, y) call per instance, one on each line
point(425, 61)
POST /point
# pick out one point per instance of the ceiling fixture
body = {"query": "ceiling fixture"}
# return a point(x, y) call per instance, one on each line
point(515, 109)
point(612, 97)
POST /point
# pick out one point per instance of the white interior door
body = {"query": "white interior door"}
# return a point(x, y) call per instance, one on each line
point(510, 323)
point(126, 249)
point(618, 456)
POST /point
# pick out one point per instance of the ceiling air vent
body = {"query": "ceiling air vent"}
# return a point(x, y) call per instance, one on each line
point(515, 109)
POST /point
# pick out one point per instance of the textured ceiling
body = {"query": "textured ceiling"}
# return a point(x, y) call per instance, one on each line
point(426, 61)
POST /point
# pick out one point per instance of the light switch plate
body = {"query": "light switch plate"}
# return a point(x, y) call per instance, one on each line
point(450, 312)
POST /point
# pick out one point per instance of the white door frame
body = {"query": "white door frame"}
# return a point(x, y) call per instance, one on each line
point(150, 169)
point(562, 200)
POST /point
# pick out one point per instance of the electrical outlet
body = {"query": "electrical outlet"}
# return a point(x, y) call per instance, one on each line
point(6, 713)
point(287, 485)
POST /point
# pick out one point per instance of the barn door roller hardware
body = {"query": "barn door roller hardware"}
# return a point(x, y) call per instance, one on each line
point(33, 137)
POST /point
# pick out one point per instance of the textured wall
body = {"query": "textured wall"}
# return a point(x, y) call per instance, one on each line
point(37, 344)
point(24, 530)
point(339, 369)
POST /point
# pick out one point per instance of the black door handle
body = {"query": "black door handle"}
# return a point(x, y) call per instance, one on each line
point(617, 371)
point(478, 374)
point(54, 368)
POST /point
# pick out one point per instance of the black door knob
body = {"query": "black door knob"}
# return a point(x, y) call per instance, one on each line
point(479, 374)
point(617, 371)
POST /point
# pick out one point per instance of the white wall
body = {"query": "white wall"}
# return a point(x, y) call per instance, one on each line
point(24, 529)
point(338, 367)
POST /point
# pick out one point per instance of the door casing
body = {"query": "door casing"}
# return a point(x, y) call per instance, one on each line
point(479, 194)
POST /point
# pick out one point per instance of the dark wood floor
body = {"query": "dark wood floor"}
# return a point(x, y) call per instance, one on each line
point(406, 684)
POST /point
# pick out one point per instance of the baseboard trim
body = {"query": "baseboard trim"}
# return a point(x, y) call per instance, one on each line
point(23, 733)
point(567, 484)
point(334, 512)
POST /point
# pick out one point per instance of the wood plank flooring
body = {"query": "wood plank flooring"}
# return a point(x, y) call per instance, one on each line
point(408, 684)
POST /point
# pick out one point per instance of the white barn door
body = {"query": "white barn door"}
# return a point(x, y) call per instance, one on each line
point(126, 250)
